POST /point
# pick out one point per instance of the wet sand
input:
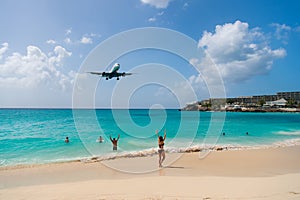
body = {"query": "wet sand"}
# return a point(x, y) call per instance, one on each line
point(272, 173)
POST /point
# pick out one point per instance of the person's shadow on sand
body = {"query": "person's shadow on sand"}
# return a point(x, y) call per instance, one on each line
point(173, 167)
point(162, 171)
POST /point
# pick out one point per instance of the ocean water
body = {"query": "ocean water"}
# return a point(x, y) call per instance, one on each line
point(34, 136)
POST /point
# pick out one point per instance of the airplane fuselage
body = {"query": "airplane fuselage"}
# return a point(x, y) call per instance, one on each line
point(112, 73)
point(115, 68)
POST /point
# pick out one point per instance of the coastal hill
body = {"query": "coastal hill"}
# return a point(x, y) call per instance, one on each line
point(281, 102)
point(235, 108)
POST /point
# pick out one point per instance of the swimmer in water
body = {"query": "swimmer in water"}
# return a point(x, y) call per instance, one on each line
point(100, 139)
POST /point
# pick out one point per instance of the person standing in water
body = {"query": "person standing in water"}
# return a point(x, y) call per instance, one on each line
point(67, 140)
point(100, 139)
point(115, 142)
point(161, 151)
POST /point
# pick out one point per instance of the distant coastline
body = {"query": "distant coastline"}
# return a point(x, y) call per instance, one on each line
point(280, 102)
point(196, 107)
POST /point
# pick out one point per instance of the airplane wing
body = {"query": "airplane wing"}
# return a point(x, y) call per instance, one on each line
point(96, 73)
point(123, 74)
point(105, 74)
point(109, 75)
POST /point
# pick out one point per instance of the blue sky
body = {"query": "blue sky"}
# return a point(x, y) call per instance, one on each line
point(254, 44)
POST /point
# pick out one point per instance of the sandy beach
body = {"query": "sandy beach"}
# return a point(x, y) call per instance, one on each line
point(272, 173)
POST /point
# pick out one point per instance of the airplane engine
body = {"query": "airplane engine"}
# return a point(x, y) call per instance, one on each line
point(123, 74)
point(103, 73)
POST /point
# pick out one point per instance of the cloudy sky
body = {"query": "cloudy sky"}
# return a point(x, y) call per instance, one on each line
point(252, 45)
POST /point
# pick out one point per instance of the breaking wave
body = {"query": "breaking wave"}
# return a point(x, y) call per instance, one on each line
point(195, 148)
point(292, 133)
point(153, 151)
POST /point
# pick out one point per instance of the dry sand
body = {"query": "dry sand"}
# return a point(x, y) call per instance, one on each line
point(245, 174)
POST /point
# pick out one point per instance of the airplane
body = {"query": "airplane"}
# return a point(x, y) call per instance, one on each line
point(112, 73)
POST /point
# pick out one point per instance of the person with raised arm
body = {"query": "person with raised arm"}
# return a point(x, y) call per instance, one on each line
point(161, 151)
point(115, 142)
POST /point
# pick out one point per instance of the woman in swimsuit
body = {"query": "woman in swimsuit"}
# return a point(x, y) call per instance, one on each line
point(161, 151)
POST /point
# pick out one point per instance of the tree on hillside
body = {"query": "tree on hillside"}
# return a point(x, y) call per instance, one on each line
point(261, 102)
point(291, 103)
point(230, 101)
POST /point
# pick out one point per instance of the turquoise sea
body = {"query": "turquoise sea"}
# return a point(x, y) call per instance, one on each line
point(34, 136)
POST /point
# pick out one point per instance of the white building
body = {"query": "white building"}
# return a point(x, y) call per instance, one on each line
point(279, 102)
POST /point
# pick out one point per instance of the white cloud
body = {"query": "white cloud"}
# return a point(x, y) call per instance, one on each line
point(157, 3)
point(185, 5)
point(35, 70)
point(60, 54)
point(297, 29)
point(238, 52)
point(68, 31)
point(160, 13)
point(51, 42)
point(152, 19)
point(86, 40)
point(233, 53)
point(282, 32)
point(3, 49)
point(68, 40)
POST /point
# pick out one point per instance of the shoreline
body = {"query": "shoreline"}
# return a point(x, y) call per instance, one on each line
point(270, 173)
point(242, 109)
point(153, 152)
point(201, 109)
point(180, 155)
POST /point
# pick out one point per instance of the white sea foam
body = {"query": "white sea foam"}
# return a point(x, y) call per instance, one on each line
point(153, 151)
point(292, 133)
point(288, 143)
point(194, 148)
